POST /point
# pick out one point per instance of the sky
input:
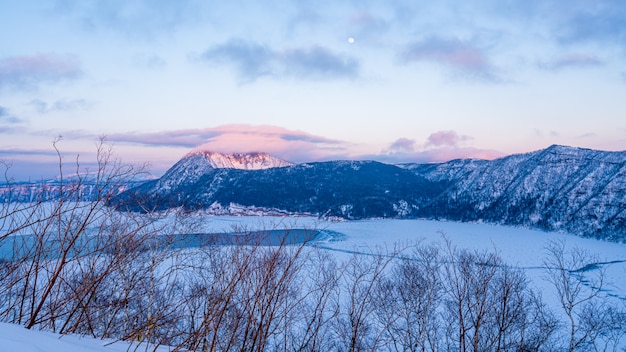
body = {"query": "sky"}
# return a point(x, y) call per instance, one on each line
point(393, 81)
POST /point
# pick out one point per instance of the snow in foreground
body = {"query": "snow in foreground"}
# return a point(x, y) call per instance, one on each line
point(14, 338)
point(521, 248)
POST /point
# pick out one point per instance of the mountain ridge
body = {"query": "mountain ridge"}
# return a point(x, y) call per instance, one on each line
point(560, 188)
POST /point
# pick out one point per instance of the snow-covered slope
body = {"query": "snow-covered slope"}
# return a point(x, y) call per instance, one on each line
point(197, 164)
point(15, 338)
point(351, 189)
point(241, 161)
point(581, 191)
point(523, 249)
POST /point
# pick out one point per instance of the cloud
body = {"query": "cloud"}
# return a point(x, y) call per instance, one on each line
point(35, 164)
point(288, 144)
point(571, 61)
point(30, 71)
point(12, 129)
point(464, 58)
point(136, 19)
point(17, 152)
point(446, 154)
point(437, 155)
point(445, 138)
point(401, 145)
point(7, 117)
point(253, 61)
point(588, 135)
point(605, 22)
point(190, 138)
point(317, 62)
point(540, 133)
point(439, 139)
point(439, 147)
point(60, 105)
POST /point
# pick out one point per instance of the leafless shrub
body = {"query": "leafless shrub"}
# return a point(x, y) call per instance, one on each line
point(408, 300)
point(488, 306)
point(356, 329)
point(592, 323)
point(318, 307)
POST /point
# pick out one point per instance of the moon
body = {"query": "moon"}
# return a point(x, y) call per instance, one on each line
point(351, 40)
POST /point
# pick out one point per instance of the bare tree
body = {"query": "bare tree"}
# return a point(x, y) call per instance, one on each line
point(488, 306)
point(356, 329)
point(79, 266)
point(318, 307)
point(408, 301)
point(578, 281)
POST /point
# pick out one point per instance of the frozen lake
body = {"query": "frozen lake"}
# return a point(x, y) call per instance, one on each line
point(519, 247)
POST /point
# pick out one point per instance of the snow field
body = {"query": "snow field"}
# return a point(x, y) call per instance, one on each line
point(518, 247)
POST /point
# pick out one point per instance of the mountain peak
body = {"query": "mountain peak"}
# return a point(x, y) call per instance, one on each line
point(242, 161)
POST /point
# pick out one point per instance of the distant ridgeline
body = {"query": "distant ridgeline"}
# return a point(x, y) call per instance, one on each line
point(51, 190)
point(580, 191)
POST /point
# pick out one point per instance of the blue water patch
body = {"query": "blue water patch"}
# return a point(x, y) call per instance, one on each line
point(248, 238)
point(16, 247)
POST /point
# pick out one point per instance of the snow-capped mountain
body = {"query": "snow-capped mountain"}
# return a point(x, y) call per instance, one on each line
point(202, 164)
point(241, 161)
point(350, 189)
point(577, 190)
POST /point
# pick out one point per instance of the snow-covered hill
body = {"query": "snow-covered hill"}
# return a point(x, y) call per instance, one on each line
point(581, 191)
point(350, 189)
point(197, 164)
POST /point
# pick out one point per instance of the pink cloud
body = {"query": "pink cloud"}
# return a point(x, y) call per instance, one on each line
point(288, 144)
point(401, 145)
point(292, 145)
point(440, 146)
point(445, 138)
point(451, 153)
point(437, 155)
point(162, 149)
point(298, 146)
